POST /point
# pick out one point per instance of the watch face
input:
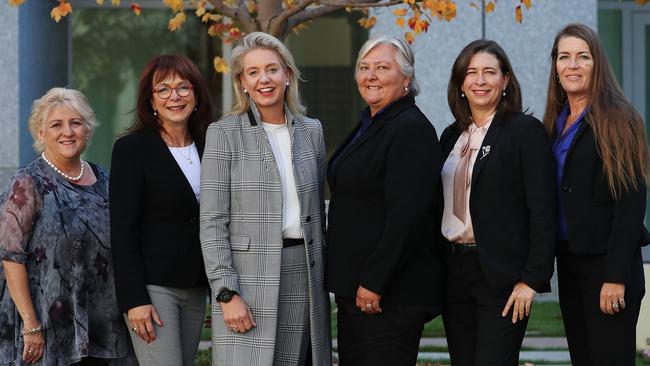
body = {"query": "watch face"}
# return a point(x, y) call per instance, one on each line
point(224, 296)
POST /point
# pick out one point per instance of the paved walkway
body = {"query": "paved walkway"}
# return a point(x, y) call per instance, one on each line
point(548, 349)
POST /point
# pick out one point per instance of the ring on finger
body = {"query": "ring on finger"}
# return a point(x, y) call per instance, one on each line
point(615, 305)
point(30, 351)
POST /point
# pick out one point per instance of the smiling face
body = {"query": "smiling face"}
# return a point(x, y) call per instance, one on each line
point(380, 79)
point(574, 65)
point(176, 109)
point(264, 79)
point(64, 134)
point(484, 83)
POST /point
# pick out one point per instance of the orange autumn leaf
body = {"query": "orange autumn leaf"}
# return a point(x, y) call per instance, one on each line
point(400, 21)
point(64, 8)
point(176, 5)
point(518, 15)
point(400, 12)
point(300, 27)
point(200, 8)
point(450, 13)
point(421, 26)
point(412, 21)
point(528, 3)
point(489, 7)
point(251, 6)
point(409, 37)
point(368, 22)
point(207, 17)
point(177, 21)
point(220, 65)
point(137, 10)
point(642, 2)
point(16, 2)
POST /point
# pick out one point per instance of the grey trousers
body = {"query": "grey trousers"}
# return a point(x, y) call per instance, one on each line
point(182, 312)
point(292, 338)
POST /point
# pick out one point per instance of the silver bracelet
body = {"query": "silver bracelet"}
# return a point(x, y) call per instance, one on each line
point(32, 331)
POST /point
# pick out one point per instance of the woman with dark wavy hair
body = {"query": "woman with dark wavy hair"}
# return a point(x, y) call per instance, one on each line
point(599, 142)
point(154, 196)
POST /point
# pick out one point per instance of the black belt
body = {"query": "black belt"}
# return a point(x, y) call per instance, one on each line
point(462, 248)
point(288, 242)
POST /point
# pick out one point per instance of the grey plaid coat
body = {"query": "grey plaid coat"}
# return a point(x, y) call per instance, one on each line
point(241, 232)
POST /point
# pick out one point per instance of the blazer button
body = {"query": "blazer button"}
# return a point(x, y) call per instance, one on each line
point(566, 189)
point(308, 219)
point(312, 264)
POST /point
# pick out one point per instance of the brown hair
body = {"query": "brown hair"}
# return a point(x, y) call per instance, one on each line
point(618, 128)
point(508, 105)
point(159, 68)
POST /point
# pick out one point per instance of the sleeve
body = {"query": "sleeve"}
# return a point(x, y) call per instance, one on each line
point(321, 158)
point(215, 211)
point(20, 205)
point(412, 174)
point(625, 237)
point(126, 186)
point(539, 189)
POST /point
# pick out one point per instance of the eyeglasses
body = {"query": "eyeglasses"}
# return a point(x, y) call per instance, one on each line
point(164, 91)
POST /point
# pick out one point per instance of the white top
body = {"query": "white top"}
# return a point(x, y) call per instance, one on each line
point(187, 158)
point(280, 141)
point(452, 228)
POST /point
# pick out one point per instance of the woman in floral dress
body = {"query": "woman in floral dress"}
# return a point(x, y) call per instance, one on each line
point(57, 297)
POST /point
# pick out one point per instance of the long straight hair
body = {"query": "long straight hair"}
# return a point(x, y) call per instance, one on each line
point(618, 128)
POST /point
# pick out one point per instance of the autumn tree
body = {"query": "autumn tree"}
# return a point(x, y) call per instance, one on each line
point(229, 19)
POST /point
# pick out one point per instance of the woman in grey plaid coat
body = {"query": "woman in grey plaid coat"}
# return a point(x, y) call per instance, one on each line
point(262, 217)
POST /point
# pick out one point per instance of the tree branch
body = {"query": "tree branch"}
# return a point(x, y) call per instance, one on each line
point(361, 4)
point(241, 16)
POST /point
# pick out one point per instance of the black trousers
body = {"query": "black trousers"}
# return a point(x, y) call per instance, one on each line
point(595, 338)
point(391, 338)
point(91, 361)
point(476, 332)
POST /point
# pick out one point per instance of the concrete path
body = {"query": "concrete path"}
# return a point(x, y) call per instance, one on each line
point(548, 349)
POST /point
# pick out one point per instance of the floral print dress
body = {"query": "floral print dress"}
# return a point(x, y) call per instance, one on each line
point(60, 232)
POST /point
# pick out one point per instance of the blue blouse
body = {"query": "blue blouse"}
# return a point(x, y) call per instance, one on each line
point(561, 146)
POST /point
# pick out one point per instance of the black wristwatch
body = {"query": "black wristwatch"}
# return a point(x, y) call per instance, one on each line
point(225, 295)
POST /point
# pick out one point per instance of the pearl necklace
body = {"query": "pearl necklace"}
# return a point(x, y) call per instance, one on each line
point(68, 177)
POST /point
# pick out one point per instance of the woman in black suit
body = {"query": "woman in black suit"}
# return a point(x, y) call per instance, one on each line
point(599, 142)
point(499, 215)
point(383, 266)
point(154, 188)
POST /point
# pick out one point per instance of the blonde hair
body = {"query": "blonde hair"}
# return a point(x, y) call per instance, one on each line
point(59, 97)
point(260, 40)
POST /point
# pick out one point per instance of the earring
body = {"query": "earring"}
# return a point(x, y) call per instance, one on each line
point(155, 112)
point(462, 95)
point(504, 93)
point(245, 91)
point(196, 108)
point(406, 88)
point(287, 83)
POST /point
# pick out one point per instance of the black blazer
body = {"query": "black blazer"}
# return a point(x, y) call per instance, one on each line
point(596, 222)
point(512, 202)
point(154, 220)
point(382, 233)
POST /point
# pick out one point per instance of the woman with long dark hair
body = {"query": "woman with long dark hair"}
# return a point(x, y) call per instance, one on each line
point(154, 197)
point(599, 142)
